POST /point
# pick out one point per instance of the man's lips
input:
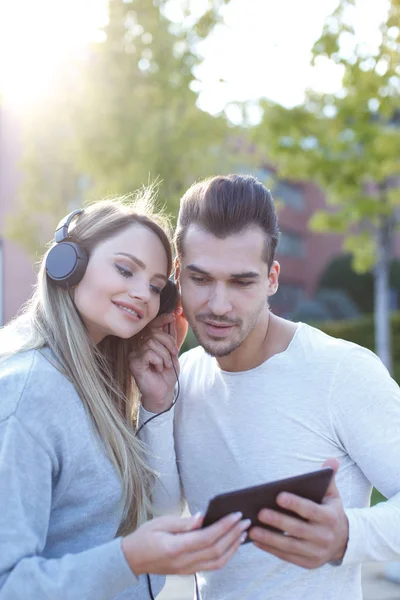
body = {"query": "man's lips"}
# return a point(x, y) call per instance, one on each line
point(218, 329)
point(222, 325)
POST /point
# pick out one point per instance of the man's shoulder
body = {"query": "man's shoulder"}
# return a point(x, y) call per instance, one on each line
point(320, 347)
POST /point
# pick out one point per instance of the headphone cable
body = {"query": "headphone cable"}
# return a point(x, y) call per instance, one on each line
point(140, 428)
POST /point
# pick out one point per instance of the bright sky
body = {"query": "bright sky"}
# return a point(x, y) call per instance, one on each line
point(263, 49)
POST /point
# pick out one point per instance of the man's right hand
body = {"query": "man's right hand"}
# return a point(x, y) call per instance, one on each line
point(175, 545)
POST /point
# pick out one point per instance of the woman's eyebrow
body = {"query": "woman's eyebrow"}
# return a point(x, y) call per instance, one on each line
point(140, 263)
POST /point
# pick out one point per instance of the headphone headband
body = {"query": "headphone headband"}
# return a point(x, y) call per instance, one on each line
point(61, 233)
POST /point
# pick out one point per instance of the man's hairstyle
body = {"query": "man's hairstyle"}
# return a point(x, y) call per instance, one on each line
point(225, 205)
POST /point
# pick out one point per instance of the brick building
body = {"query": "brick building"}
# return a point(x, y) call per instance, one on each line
point(302, 254)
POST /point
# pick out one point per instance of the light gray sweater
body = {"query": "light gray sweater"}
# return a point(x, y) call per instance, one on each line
point(59, 494)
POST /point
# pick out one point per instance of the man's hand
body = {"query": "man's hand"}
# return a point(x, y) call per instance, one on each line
point(321, 538)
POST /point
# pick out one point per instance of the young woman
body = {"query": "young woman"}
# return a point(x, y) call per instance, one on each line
point(75, 487)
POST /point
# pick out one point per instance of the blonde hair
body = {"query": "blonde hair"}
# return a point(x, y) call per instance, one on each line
point(99, 373)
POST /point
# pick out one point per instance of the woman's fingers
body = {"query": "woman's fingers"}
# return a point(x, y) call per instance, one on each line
point(212, 552)
point(159, 322)
point(163, 338)
point(176, 545)
point(158, 354)
point(217, 563)
point(171, 524)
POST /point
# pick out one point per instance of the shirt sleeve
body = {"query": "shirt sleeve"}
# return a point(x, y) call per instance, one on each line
point(99, 573)
point(158, 435)
point(365, 410)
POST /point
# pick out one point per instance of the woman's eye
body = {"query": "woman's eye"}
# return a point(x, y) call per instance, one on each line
point(155, 289)
point(124, 272)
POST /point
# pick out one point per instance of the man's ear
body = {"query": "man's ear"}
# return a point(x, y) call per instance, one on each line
point(273, 279)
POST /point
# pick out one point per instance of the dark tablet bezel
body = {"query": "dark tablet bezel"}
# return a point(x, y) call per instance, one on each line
point(251, 500)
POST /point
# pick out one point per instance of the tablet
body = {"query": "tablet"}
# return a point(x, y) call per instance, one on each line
point(251, 500)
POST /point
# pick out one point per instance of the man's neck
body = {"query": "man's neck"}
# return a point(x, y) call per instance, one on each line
point(271, 336)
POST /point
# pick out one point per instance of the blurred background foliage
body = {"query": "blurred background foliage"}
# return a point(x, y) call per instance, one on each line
point(125, 113)
point(122, 116)
point(347, 142)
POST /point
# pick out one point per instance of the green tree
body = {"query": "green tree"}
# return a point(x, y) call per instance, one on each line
point(349, 143)
point(123, 116)
point(137, 116)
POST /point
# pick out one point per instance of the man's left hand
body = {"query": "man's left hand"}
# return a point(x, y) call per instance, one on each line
point(321, 538)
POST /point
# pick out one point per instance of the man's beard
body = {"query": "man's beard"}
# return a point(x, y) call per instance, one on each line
point(221, 348)
point(218, 352)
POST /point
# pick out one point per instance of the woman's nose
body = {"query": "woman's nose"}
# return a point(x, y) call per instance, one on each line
point(141, 290)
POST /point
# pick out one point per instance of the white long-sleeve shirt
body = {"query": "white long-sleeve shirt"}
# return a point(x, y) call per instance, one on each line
point(321, 397)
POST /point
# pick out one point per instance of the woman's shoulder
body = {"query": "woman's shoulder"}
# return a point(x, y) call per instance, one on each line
point(30, 380)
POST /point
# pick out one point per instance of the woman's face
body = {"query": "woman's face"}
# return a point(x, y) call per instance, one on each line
point(120, 291)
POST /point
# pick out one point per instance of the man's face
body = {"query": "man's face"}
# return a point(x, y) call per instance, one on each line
point(225, 284)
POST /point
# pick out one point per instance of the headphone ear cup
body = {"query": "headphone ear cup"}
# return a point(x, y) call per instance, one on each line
point(66, 263)
point(169, 298)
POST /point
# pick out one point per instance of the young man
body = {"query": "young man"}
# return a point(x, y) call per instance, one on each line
point(263, 398)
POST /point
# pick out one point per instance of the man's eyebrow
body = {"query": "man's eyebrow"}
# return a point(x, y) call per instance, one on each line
point(140, 264)
point(197, 270)
point(244, 275)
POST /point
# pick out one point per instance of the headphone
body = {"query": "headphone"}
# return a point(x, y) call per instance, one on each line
point(66, 262)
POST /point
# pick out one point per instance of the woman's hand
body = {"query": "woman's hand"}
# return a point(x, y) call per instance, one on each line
point(176, 545)
point(154, 362)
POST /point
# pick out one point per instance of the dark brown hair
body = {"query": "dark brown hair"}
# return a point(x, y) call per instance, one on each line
point(225, 205)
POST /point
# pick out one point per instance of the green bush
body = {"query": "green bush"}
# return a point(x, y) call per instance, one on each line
point(340, 275)
point(328, 304)
point(376, 497)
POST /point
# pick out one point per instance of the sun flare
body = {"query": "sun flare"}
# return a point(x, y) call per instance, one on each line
point(36, 37)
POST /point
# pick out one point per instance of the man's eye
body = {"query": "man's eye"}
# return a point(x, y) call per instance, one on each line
point(243, 283)
point(124, 272)
point(198, 279)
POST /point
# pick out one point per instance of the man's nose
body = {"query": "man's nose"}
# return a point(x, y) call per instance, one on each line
point(219, 302)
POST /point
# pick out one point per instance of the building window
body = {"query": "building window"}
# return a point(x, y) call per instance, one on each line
point(291, 195)
point(291, 244)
